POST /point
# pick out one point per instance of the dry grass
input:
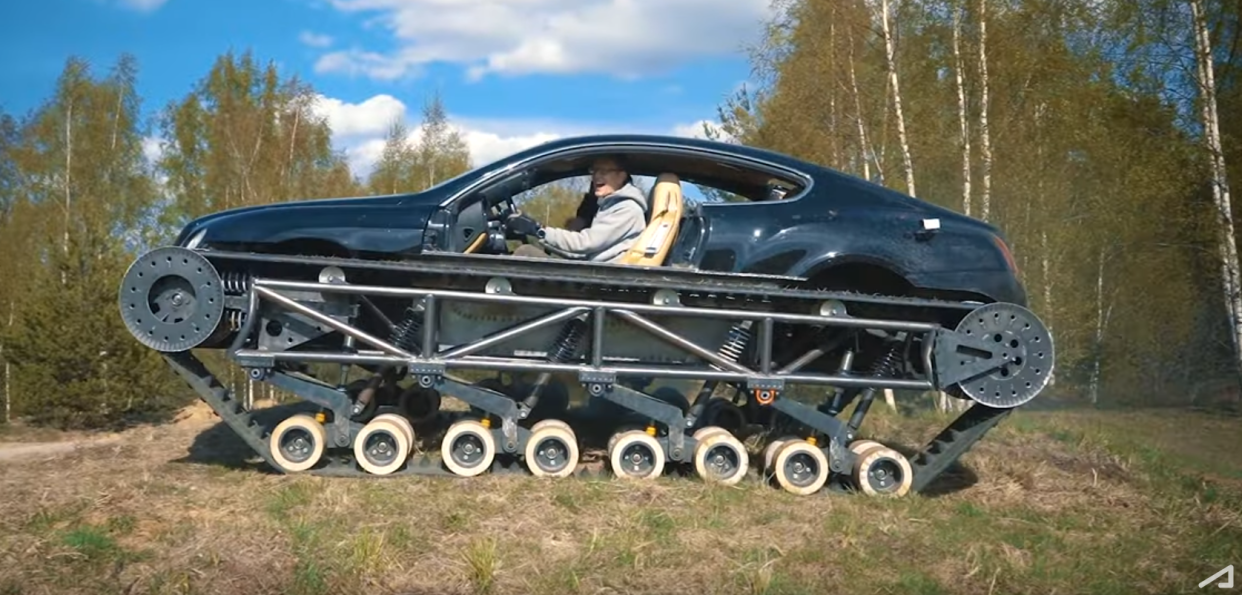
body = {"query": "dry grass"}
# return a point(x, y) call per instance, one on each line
point(1066, 502)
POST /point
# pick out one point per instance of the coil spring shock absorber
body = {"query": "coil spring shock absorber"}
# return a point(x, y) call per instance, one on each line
point(235, 282)
point(235, 319)
point(732, 350)
point(565, 348)
point(887, 365)
point(407, 334)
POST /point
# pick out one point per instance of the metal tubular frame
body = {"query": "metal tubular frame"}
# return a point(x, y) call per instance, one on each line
point(461, 356)
point(243, 305)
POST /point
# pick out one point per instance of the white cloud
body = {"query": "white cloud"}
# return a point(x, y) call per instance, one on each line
point(371, 117)
point(487, 146)
point(151, 148)
point(142, 5)
point(624, 38)
point(315, 40)
point(359, 130)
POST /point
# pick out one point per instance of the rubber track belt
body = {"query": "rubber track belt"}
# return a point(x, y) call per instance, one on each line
point(954, 441)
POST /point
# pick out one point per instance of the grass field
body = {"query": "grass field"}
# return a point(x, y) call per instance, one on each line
point(1050, 503)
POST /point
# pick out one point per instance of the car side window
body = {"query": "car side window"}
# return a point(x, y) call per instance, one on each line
point(554, 203)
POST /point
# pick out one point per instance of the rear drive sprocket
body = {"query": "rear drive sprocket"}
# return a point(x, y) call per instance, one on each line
point(172, 299)
point(1001, 355)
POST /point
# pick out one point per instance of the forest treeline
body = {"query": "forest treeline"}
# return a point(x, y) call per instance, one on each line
point(1098, 136)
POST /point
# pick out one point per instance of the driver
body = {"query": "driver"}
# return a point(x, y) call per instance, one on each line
point(621, 217)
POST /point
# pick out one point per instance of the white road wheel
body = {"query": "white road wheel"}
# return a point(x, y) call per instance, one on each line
point(552, 450)
point(882, 471)
point(636, 455)
point(381, 447)
point(769, 453)
point(612, 440)
point(800, 468)
point(860, 447)
point(701, 434)
point(401, 422)
point(298, 443)
point(721, 458)
point(543, 423)
point(468, 448)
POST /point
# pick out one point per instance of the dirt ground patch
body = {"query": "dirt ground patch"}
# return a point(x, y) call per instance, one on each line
point(1048, 503)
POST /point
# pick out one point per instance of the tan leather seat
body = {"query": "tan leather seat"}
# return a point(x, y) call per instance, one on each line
point(667, 204)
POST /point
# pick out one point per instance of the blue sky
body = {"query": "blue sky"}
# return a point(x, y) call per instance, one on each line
point(512, 72)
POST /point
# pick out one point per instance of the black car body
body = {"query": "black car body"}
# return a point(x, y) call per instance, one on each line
point(830, 229)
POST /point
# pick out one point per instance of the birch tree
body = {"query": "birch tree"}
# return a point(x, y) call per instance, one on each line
point(1219, 176)
point(395, 170)
point(894, 86)
point(441, 153)
point(961, 104)
point(80, 152)
point(246, 135)
point(985, 139)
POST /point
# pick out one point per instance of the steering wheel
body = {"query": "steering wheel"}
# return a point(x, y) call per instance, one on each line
point(500, 213)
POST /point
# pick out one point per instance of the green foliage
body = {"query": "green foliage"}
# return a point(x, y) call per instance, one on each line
point(79, 194)
point(1097, 180)
point(554, 204)
point(246, 136)
point(75, 362)
point(439, 154)
point(394, 172)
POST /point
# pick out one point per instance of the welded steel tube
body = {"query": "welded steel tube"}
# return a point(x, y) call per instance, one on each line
point(680, 341)
point(725, 313)
point(332, 322)
point(511, 332)
point(621, 370)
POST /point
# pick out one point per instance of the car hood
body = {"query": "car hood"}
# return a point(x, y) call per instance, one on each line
point(390, 222)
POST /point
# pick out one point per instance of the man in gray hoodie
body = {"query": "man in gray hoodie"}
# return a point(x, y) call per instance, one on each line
point(621, 217)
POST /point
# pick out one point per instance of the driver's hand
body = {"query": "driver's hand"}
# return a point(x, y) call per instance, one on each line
point(523, 224)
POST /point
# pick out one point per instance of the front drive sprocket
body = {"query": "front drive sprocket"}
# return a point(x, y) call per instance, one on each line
point(1000, 355)
point(172, 299)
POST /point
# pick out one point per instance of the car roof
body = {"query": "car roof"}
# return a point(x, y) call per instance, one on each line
point(683, 142)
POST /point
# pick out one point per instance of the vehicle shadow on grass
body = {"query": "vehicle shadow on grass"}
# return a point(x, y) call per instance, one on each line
point(220, 446)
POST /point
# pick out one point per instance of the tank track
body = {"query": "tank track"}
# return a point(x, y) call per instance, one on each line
point(267, 311)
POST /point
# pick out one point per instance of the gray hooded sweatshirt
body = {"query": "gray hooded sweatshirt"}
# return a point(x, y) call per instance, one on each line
point(622, 217)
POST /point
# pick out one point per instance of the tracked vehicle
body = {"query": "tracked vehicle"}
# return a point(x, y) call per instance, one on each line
point(803, 281)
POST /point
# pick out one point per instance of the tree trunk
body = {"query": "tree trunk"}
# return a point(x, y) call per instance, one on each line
point(8, 394)
point(984, 139)
point(961, 108)
point(1094, 387)
point(835, 141)
point(892, 81)
point(293, 142)
point(1047, 279)
point(68, 178)
point(862, 130)
point(1220, 183)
